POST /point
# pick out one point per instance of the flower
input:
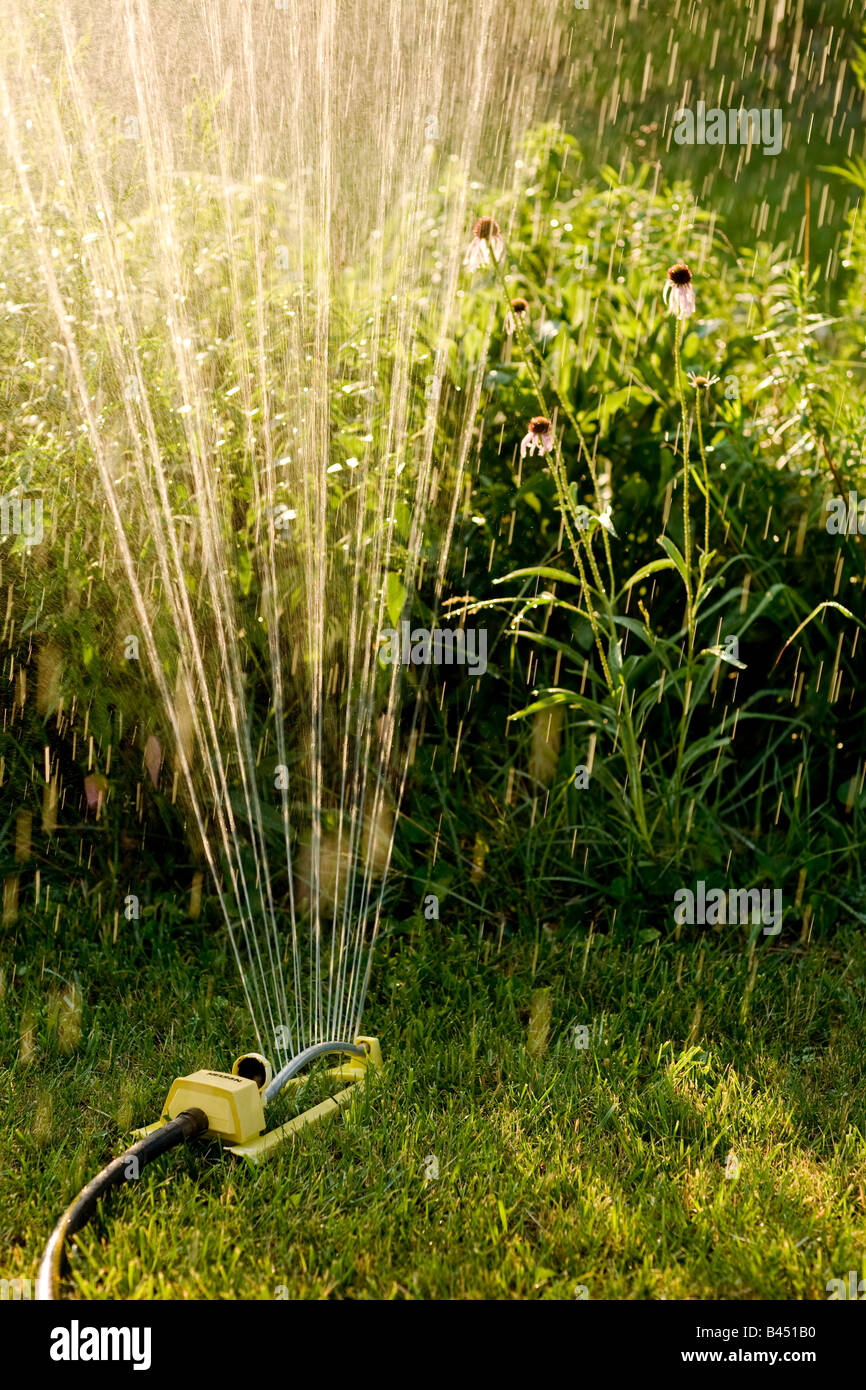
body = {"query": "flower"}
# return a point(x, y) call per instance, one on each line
point(679, 294)
point(95, 789)
point(486, 237)
point(702, 383)
point(515, 314)
point(538, 438)
point(153, 758)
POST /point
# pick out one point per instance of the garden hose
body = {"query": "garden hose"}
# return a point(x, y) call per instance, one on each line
point(187, 1125)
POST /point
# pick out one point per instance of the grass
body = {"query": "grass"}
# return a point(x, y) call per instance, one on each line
point(560, 1167)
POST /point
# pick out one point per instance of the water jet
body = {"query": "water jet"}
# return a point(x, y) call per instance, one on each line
point(238, 290)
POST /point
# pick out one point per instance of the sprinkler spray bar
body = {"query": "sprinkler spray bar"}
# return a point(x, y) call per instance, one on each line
point(298, 1063)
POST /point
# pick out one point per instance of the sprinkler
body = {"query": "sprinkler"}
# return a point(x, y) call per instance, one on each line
point(234, 1102)
point(229, 1106)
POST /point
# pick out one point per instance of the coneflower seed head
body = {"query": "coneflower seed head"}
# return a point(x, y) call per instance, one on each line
point(485, 228)
point(680, 274)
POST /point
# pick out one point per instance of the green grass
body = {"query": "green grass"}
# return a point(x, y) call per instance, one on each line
point(602, 1167)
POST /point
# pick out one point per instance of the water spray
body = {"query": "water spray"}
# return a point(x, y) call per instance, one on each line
point(270, 509)
point(228, 1106)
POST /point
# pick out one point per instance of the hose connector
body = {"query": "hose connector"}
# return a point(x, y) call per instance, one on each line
point(255, 1067)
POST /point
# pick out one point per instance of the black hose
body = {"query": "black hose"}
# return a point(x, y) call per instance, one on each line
point(186, 1126)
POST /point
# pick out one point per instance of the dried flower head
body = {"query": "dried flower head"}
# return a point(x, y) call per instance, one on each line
point(702, 383)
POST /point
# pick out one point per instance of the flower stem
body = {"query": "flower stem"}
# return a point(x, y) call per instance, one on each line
point(706, 473)
point(528, 346)
point(560, 478)
point(690, 606)
point(687, 532)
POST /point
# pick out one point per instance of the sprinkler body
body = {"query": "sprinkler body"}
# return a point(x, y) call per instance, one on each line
point(356, 1071)
point(234, 1102)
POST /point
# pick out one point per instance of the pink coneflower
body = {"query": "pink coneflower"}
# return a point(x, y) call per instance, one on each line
point(95, 789)
point(486, 238)
point(679, 292)
point(515, 314)
point(153, 758)
point(539, 438)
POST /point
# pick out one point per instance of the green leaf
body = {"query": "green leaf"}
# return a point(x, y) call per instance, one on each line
point(850, 795)
point(557, 697)
point(673, 554)
point(646, 570)
point(613, 401)
point(538, 572)
point(245, 572)
point(723, 655)
point(702, 746)
point(829, 603)
point(503, 1217)
point(571, 698)
point(402, 518)
point(395, 597)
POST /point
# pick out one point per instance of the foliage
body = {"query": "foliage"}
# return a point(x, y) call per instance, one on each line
point(691, 639)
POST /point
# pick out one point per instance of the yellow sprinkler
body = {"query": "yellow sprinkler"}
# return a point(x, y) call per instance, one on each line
point(229, 1106)
point(234, 1102)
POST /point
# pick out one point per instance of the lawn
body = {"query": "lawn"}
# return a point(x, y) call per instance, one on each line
point(699, 1141)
